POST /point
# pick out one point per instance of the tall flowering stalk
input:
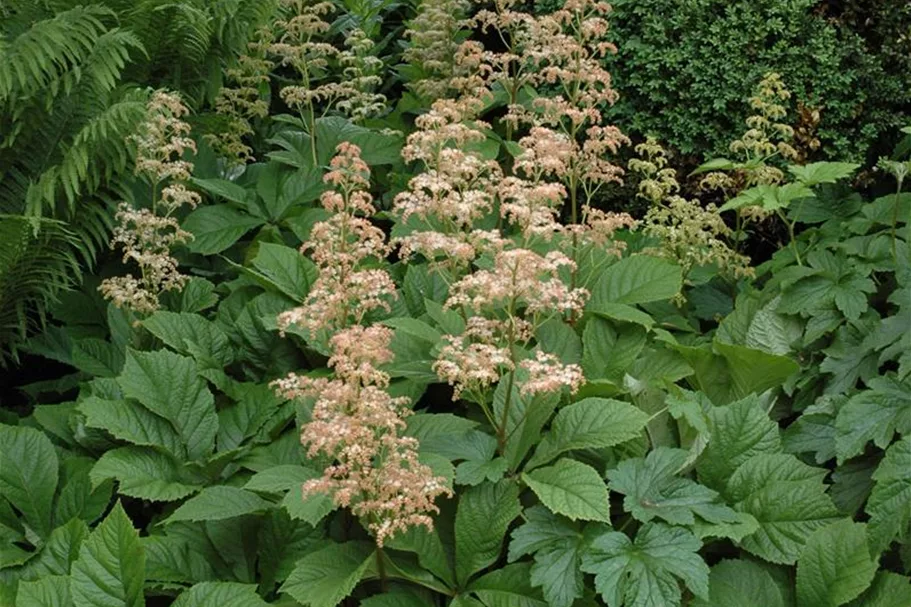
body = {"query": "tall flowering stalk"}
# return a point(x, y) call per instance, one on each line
point(147, 235)
point(504, 307)
point(358, 425)
point(433, 37)
point(303, 46)
point(456, 188)
point(355, 422)
point(344, 292)
point(689, 234)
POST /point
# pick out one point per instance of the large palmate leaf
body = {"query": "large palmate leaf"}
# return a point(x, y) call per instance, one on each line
point(647, 572)
point(217, 503)
point(637, 279)
point(572, 489)
point(167, 384)
point(131, 422)
point(835, 565)
point(144, 473)
point(557, 545)
point(110, 570)
point(889, 505)
point(220, 594)
point(29, 474)
point(741, 583)
point(873, 415)
point(508, 587)
point(653, 490)
point(325, 577)
point(215, 228)
point(482, 518)
point(193, 335)
point(591, 423)
point(739, 431)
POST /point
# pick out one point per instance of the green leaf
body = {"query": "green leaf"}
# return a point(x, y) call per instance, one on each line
point(557, 546)
point(29, 475)
point(739, 431)
point(610, 350)
point(97, 357)
point(50, 591)
point(143, 473)
point(822, 172)
point(874, 414)
point(77, 497)
point(572, 489)
point(507, 587)
point(888, 590)
point(483, 515)
point(325, 577)
point(787, 498)
point(715, 164)
point(835, 565)
point(645, 573)
point(653, 489)
point(558, 338)
point(290, 272)
point(889, 505)
point(624, 313)
point(591, 423)
point(288, 480)
point(220, 594)
point(217, 503)
point(110, 570)
point(525, 418)
point(637, 279)
point(167, 384)
point(175, 560)
point(742, 584)
point(193, 335)
point(131, 422)
point(222, 188)
point(215, 228)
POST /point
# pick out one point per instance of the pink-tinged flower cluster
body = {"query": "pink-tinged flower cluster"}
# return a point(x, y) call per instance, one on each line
point(375, 470)
point(520, 280)
point(344, 293)
point(546, 373)
point(147, 235)
point(455, 189)
point(508, 302)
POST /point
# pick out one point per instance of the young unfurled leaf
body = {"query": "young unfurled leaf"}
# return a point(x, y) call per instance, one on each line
point(653, 489)
point(572, 489)
point(647, 572)
point(739, 431)
point(110, 570)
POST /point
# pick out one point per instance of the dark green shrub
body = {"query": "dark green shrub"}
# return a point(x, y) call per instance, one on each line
point(685, 68)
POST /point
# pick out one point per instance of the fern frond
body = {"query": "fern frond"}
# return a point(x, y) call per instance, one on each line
point(35, 59)
point(36, 264)
point(97, 153)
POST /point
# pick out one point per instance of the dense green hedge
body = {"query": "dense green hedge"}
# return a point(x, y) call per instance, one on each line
point(685, 68)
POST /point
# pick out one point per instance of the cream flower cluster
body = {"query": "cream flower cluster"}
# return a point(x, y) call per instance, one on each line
point(147, 235)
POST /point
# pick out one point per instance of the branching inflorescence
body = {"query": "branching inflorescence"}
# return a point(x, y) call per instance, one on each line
point(148, 234)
